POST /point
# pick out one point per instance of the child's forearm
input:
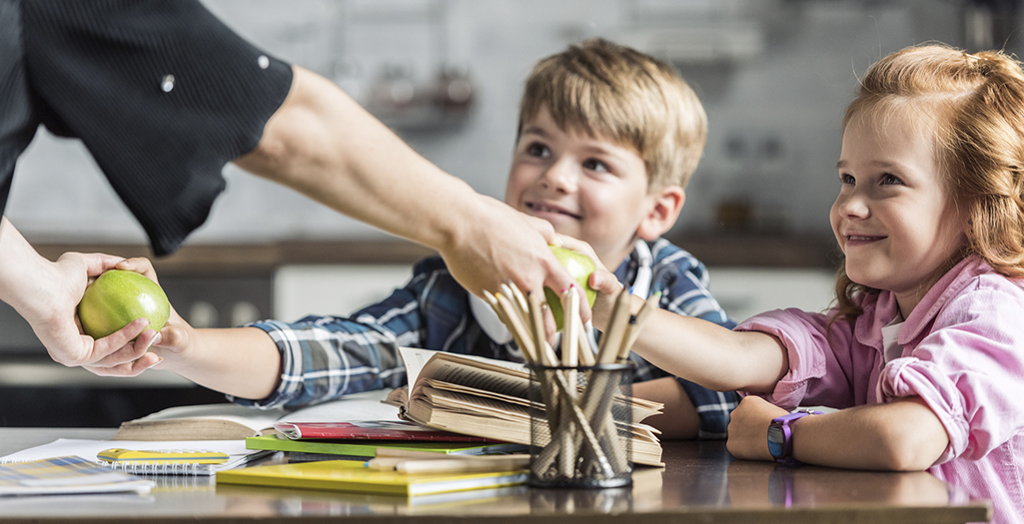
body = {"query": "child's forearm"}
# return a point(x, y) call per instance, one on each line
point(904, 435)
point(243, 362)
point(706, 353)
point(679, 420)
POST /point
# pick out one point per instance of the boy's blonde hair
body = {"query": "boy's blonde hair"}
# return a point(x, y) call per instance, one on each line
point(973, 105)
point(606, 90)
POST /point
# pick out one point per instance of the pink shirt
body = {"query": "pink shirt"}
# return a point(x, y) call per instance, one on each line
point(963, 354)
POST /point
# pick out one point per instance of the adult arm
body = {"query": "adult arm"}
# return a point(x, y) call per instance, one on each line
point(46, 294)
point(324, 145)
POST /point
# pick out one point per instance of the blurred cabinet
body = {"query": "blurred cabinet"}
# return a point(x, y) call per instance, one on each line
point(301, 290)
point(744, 292)
point(333, 289)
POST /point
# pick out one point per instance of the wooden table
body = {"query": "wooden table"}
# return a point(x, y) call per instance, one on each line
point(700, 483)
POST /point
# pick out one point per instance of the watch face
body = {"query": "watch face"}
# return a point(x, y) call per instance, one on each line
point(776, 440)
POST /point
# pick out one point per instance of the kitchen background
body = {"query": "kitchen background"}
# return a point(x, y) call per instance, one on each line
point(446, 75)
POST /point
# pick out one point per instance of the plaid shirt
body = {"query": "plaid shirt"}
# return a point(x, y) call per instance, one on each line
point(326, 357)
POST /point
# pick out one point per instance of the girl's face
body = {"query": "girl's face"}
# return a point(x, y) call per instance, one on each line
point(894, 218)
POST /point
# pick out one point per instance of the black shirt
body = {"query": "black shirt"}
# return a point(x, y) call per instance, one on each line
point(161, 93)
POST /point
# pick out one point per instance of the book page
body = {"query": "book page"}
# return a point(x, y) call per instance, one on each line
point(368, 405)
point(416, 358)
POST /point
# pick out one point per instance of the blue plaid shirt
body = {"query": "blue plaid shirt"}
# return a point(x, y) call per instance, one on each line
point(326, 357)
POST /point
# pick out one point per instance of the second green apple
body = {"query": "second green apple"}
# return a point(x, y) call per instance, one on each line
point(580, 267)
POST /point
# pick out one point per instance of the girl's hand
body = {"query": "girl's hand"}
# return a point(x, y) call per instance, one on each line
point(748, 428)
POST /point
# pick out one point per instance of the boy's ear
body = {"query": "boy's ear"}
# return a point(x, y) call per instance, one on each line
point(666, 204)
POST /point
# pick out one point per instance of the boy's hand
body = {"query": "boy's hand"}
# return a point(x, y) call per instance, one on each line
point(748, 428)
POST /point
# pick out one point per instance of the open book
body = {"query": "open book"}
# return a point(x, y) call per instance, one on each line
point(230, 421)
point(489, 398)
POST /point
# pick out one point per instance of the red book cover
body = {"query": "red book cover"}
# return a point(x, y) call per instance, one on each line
point(371, 430)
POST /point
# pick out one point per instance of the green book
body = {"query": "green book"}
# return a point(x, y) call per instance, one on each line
point(346, 475)
point(368, 448)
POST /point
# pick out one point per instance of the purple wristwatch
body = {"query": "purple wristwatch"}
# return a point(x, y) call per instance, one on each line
point(780, 436)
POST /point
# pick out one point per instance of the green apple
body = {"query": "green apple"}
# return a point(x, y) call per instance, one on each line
point(118, 297)
point(580, 267)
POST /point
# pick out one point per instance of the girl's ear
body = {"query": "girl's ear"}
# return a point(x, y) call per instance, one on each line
point(665, 204)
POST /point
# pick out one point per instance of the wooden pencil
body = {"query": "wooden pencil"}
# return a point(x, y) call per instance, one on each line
point(636, 324)
point(616, 324)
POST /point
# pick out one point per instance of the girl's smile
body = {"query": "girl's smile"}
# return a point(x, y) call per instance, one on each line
point(893, 217)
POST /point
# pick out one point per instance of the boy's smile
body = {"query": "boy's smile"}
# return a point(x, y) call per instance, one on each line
point(893, 218)
point(588, 188)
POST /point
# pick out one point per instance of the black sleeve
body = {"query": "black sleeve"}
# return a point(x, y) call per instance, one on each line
point(161, 92)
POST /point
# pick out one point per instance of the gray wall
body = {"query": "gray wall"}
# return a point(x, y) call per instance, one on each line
point(774, 75)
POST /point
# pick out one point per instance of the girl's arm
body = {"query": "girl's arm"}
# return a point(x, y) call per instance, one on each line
point(706, 353)
point(904, 435)
point(695, 349)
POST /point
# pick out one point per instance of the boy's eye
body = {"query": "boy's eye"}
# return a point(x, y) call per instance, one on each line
point(891, 179)
point(594, 164)
point(846, 178)
point(538, 149)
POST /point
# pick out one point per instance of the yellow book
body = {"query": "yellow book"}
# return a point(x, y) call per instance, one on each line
point(353, 475)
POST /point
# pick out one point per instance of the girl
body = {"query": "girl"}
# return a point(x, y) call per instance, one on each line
point(924, 354)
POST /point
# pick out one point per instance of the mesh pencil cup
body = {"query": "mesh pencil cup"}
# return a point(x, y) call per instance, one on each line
point(580, 426)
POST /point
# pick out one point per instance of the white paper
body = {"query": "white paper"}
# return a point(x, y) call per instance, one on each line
point(359, 406)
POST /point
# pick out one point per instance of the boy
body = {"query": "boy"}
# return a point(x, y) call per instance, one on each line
point(607, 140)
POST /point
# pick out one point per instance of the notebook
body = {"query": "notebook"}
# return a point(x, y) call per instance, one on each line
point(371, 430)
point(238, 454)
point(65, 475)
point(368, 448)
point(350, 475)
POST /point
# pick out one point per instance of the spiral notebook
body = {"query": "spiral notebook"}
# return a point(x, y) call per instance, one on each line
point(236, 451)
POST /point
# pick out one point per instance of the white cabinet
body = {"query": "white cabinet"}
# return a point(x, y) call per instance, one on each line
point(746, 291)
point(300, 290)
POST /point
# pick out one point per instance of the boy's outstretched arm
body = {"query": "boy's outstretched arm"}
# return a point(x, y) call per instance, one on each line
point(243, 362)
point(904, 435)
point(695, 349)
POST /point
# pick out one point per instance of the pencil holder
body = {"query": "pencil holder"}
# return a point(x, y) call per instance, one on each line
point(580, 426)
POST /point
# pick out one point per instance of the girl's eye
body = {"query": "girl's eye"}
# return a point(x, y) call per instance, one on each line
point(891, 179)
point(596, 165)
point(845, 178)
point(538, 150)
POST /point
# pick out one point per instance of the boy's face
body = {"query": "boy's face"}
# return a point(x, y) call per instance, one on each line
point(587, 187)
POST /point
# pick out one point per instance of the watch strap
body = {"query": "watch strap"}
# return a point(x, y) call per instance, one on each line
point(780, 435)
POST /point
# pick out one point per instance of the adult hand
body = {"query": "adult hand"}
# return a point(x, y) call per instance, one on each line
point(501, 245)
point(748, 428)
point(57, 289)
